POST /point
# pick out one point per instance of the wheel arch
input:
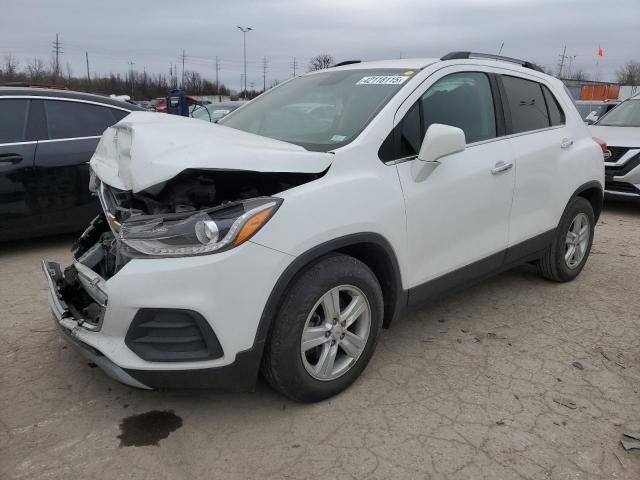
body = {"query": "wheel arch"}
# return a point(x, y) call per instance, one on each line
point(594, 193)
point(370, 248)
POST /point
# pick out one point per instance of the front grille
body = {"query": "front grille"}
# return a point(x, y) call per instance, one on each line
point(622, 169)
point(168, 335)
point(616, 153)
point(622, 187)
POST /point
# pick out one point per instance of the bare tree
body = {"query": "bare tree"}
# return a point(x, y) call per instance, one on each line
point(581, 74)
point(36, 70)
point(629, 74)
point(10, 68)
point(319, 62)
point(69, 72)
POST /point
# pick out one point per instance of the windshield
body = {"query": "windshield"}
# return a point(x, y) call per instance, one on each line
point(321, 111)
point(627, 114)
point(587, 108)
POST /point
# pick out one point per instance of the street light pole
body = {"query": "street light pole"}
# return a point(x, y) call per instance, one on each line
point(244, 31)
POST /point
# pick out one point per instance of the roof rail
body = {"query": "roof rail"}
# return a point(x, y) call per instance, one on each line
point(346, 62)
point(466, 55)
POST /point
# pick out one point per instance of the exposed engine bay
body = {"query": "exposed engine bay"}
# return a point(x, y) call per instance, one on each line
point(194, 190)
point(183, 201)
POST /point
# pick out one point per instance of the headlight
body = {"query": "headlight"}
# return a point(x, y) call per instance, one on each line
point(200, 233)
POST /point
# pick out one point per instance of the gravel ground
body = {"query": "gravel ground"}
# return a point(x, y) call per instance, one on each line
point(514, 378)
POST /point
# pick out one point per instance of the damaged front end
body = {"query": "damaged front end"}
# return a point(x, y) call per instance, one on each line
point(198, 212)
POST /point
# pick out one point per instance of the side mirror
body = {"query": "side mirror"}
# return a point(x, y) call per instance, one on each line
point(440, 141)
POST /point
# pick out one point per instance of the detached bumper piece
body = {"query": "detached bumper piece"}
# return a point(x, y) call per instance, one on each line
point(167, 335)
point(69, 325)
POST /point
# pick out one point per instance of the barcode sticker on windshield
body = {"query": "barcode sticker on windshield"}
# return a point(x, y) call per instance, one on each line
point(382, 80)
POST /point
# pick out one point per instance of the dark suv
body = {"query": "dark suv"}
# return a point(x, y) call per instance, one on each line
point(46, 140)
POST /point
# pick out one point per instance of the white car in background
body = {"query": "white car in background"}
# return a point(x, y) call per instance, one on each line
point(620, 129)
point(284, 238)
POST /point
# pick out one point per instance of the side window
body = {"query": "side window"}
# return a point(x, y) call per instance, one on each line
point(462, 100)
point(13, 120)
point(556, 115)
point(67, 119)
point(526, 104)
point(119, 114)
point(410, 133)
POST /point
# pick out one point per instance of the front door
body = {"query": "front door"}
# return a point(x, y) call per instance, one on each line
point(457, 210)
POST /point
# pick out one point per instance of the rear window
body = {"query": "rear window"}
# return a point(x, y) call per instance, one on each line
point(13, 120)
point(67, 119)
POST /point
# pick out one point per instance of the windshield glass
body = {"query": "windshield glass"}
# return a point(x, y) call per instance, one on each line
point(627, 114)
point(321, 111)
point(587, 108)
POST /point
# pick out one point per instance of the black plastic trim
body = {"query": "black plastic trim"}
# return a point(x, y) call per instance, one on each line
point(593, 184)
point(239, 376)
point(392, 310)
point(499, 262)
point(471, 55)
point(146, 347)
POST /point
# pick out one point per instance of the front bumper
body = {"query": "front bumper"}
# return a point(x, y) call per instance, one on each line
point(622, 172)
point(229, 290)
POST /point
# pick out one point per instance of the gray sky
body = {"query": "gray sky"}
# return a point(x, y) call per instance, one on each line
point(153, 33)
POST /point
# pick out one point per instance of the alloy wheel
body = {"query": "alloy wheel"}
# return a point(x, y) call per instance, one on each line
point(577, 241)
point(335, 333)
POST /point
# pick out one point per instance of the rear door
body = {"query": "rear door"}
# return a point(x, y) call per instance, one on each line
point(17, 151)
point(73, 131)
point(539, 139)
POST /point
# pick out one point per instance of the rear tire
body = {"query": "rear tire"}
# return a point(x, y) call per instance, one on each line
point(337, 304)
point(565, 258)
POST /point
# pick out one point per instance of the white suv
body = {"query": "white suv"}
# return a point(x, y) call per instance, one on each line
point(620, 129)
point(284, 238)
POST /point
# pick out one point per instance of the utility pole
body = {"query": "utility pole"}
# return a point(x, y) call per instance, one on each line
point(184, 55)
point(57, 50)
point(131, 64)
point(563, 57)
point(501, 47)
point(244, 31)
point(217, 71)
point(294, 65)
point(86, 54)
point(264, 74)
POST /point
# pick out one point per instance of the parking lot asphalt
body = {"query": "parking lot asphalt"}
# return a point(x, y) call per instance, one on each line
point(515, 378)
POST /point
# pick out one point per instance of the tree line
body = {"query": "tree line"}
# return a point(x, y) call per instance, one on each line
point(137, 85)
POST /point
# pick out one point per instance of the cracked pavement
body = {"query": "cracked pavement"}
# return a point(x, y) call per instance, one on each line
point(482, 384)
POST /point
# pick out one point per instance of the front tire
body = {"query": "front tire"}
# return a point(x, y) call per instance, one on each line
point(326, 330)
point(565, 258)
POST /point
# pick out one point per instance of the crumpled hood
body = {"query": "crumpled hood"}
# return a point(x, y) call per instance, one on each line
point(617, 136)
point(146, 148)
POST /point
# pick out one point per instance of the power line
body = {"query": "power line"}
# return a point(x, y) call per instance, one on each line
point(86, 54)
point(562, 58)
point(264, 74)
point(184, 56)
point(57, 50)
point(217, 72)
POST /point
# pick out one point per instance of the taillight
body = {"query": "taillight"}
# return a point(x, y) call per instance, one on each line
point(603, 145)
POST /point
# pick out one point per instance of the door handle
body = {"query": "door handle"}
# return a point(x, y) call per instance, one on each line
point(566, 143)
point(501, 167)
point(10, 159)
